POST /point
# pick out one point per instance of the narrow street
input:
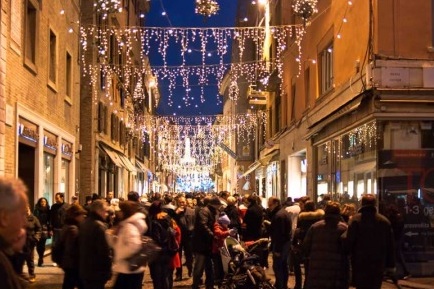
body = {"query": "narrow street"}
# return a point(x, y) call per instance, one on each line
point(51, 277)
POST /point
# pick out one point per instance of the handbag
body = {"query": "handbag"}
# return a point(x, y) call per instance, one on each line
point(148, 252)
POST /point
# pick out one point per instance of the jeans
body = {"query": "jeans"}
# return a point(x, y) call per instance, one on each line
point(280, 267)
point(40, 249)
point(129, 281)
point(203, 262)
point(296, 260)
point(160, 272)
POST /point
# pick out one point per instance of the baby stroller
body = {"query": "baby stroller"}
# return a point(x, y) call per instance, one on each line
point(242, 268)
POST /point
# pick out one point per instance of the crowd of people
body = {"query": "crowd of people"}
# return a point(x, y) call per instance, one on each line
point(336, 245)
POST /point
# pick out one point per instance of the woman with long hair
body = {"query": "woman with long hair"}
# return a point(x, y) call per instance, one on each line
point(42, 212)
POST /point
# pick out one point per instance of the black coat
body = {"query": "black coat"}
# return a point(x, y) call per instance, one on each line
point(369, 240)
point(9, 279)
point(280, 229)
point(70, 254)
point(33, 230)
point(328, 263)
point(233, 215)
point(253, 220)
point(203, 234)
point(94, 251)
point(43, 215)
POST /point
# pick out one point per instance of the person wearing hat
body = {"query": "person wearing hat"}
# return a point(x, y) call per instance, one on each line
point(203, 236)
point(369, 241)
point(74, 215)
point(221, 232)
point(323, 248)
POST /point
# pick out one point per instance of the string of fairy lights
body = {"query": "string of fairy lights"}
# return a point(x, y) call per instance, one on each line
point(118, 64)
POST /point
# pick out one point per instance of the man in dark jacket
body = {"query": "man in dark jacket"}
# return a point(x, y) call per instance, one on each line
point(369, 240)
point(185, 218)
point(94, 252)
point(280, 233)
point(202, 243)
point(57, 215)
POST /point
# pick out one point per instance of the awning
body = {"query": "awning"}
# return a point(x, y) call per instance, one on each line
point(266, 159)
point(114, 156)
point(141, 167)
point(251, 168)
point(128, 164)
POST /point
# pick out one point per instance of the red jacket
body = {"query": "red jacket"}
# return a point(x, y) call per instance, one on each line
point(220, 234)
point(176, 260)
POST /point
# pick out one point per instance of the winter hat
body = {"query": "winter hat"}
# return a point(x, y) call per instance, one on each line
point(224, 219)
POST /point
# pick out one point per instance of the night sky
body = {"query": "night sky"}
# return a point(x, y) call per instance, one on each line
point(181, 13)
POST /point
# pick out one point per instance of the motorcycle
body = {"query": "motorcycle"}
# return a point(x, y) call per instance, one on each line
point(242, 266)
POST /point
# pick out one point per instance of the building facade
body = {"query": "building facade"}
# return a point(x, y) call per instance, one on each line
point(356, 111)
point(116, 152)
point(40, 95)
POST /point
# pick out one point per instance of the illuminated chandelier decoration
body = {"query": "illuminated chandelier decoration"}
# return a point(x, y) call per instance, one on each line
point(207, 8)
point(105, 7)
point(305, 8)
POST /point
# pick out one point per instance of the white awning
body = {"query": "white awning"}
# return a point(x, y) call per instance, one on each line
point(141, 167)
point(251, 168)
point(114, 156)
point(128, 164)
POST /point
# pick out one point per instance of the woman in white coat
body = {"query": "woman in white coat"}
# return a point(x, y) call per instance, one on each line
point(126, 240)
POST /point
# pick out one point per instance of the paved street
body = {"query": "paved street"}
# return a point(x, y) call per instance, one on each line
point(50, 277)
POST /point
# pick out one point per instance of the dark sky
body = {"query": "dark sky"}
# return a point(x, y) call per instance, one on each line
point(181, 13)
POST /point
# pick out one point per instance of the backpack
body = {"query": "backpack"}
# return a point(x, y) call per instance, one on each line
point(165, 237)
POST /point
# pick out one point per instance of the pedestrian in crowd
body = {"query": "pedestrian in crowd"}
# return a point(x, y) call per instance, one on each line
point(252, 221)
point(94, 251)
point(159, 222)
point(223, 196)
point(126, 242)
point(109, 198)
point(74, 216)
point(221, 232)
point(232, 212)
point(74, 200)
point(57, 215)
point(369, 241)
point(13, 219)
point(87, 203)
point(328, 263)
point(185, 218)
point(280, 233)
point(396, 220)
point(309, 216)
point(348, 210)
point(42, 212)
point(203, 237)
point(27, 256)
point(175, 261)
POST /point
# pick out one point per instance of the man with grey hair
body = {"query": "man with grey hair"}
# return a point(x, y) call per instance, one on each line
point(13, 215)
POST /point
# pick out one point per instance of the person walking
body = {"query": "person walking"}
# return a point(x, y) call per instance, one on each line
point(185, 218)
point(27, 256)
point(74, 216)
point(160, 222)
point(57, 215)
point(252, 221)
point(369, 241)
point(280, 234)
point(42, 212)
point(328, 263)
point(203, 237)
point(13, 219)
point(94, 251)
point(126, 243)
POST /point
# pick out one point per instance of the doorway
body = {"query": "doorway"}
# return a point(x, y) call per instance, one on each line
point(26, 169)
